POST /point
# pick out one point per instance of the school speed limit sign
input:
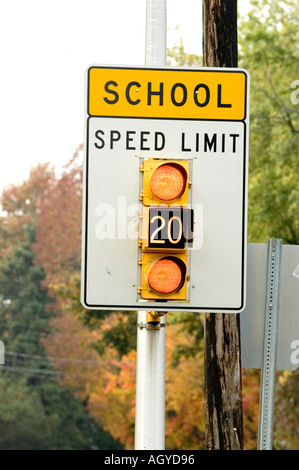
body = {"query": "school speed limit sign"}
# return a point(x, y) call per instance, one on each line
point(165, 189)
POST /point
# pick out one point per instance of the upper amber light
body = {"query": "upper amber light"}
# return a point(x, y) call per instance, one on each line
point(168, 182)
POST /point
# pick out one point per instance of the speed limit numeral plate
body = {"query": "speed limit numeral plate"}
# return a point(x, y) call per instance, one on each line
point(170, 228)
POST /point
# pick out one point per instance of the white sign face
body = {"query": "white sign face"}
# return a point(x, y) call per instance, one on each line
point(115, 148)
point(253, 317)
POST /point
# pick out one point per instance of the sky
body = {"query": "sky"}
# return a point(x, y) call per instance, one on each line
point(46, 49)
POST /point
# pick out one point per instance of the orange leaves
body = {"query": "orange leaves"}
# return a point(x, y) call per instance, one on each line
point(20, 205)
point(58, 229)
point(185, 413)
point(70, 352)
point(114, 407)
point(251, 391)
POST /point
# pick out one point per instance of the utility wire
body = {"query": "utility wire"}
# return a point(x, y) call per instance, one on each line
point(27, 369)
point(57, 359)
point(43, 373)
point(66, 360)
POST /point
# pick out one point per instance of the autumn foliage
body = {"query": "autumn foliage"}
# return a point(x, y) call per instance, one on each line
point(107, 381)
point(93, 353)
point(99, 367)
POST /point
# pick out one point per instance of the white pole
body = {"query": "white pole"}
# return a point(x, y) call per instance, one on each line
point(150, 368)
point(155, 49)
point(150, 387)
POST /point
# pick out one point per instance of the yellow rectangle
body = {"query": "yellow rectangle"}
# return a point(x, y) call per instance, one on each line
point(215, 94)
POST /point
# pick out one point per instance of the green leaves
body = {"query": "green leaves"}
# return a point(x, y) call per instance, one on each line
point(36, 412)
point(269, 49)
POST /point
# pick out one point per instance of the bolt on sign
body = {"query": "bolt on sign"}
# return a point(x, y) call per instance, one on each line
point(165, 189)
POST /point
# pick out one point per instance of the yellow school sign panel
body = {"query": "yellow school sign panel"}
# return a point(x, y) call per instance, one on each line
point(207, 94)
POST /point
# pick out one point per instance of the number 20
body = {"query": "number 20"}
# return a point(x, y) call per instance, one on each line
point(169, 226)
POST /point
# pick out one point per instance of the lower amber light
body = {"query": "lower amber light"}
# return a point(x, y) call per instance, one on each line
point(166, 276)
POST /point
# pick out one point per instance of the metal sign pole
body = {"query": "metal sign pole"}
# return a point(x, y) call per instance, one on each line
point(267, 391)
point(2, 353)
point(150, 368)
point(150, 386)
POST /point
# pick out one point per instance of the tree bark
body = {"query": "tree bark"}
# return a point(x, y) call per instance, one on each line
point(223, 384)
point(220, 33)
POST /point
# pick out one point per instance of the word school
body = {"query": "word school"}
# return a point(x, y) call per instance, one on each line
point(178, 94)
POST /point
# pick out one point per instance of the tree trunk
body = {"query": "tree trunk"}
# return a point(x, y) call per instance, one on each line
point(220, 33)
point(223, 385)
